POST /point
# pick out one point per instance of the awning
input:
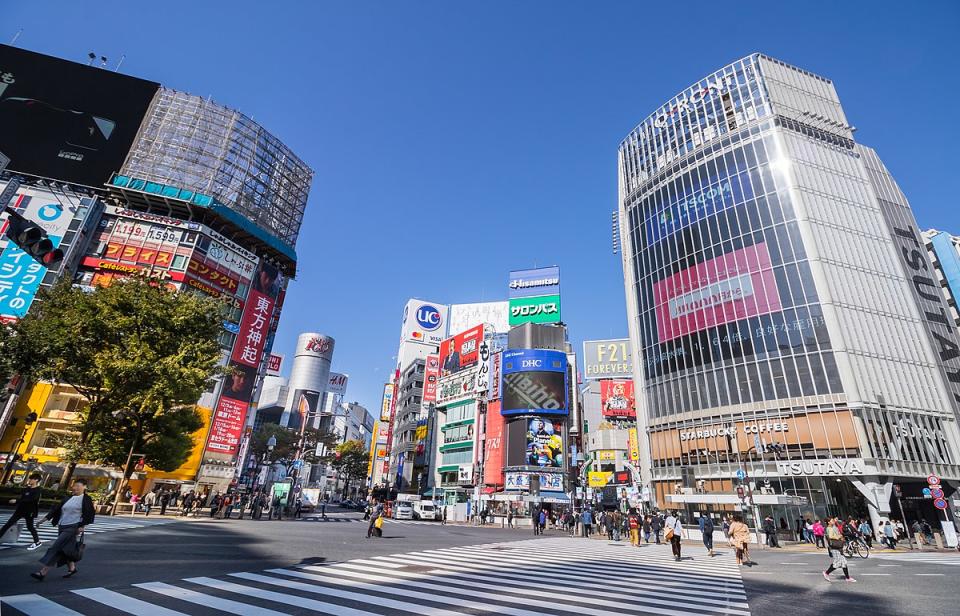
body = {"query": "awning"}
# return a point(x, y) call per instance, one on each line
point(733, 499)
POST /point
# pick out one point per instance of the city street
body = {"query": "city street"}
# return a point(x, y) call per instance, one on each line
point(328, 567)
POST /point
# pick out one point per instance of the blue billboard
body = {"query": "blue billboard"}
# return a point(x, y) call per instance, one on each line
point(693, 205)
point(535, 282)
point(534, 383)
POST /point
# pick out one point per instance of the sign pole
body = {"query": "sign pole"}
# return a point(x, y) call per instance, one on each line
point(906, 527)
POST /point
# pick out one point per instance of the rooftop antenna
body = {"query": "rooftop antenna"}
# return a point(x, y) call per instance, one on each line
point(16, 36)
point(122, 58)
point(103, 61)
point(92, 57)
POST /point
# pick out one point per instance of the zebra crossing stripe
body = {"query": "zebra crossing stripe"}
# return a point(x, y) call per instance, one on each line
point(218, 603)
point(417, 608)
point(269, 595)
point(123, 603)
point(35, 605)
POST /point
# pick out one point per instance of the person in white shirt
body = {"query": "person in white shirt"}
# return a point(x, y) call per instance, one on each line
point(73, 514)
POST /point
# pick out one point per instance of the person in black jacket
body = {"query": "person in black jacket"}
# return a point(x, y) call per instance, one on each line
point(28, 507)
point(73, 514)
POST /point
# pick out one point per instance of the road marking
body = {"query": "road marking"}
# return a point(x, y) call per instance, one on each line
point(217, 603)
point(124, 603)
point(889, 565)
point(35, 605)
point(874, 574)
point(269, 595)
point(929, 574)
point(804, 564)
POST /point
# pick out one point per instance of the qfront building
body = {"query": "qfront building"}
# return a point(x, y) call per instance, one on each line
point(786, 323)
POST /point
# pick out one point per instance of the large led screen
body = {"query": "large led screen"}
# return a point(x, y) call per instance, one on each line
point(545, 443)
point(534, 382)
point(67, 121)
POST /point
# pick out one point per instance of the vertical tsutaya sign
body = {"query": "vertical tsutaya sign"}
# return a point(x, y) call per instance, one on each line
point(431, 374)
point(535, 282)
point(607, 359)
point(238, 387)
point(387, 402)
point(540, 309)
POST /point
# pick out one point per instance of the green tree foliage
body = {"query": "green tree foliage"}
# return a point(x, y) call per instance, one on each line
point(137, 351)
point(350, 460)
point(287, 441)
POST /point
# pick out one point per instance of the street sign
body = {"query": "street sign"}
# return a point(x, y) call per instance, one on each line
point(926, 492)
point(9, 192)
point(936, 492)
point(933, 480)
point(741, 474)
point(940, 503)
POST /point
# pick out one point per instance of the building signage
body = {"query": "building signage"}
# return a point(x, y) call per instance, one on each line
point(817, 468)
point(633, 445)
point(496, 364)
point(483, 369)
point(607, 359)
point(494, 444)
point(541, 309)
point(386, 403)
point(534, 382)
point(545, 442)
point(431, 378)
point(606, 455)
point(549, 482)
point(455, 388)
point(424, 322)
point(747, 429)
point(320, 346)
point(694, 207)
point(461, 352)
point(617, 399)
point(534, 282)
point(337, 384)
point(598, 479)
point(274, 363)
point(491, 314)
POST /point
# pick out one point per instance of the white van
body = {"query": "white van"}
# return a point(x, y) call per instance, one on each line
point(426, 510)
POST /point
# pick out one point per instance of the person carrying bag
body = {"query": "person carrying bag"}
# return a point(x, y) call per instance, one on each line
point(72, 515)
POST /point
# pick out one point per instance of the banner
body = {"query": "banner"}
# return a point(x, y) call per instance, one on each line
point(633, 444)
point(607, 359)
point(455, 388)
point(534, 382)
point(494, 446)
point(617, 400)
point(274, 363)
point(544, 443)
point(337, 384)
point(386, 402)
point(496, 363)
point(431, 375)
point(549, 482)
point(306, 406)
point(541, 309)
point(460, 352)
point(534, 282)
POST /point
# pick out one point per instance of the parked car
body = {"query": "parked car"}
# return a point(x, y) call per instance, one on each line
point(403, 511)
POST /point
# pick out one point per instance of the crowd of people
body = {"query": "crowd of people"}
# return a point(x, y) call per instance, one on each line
point(213, 504)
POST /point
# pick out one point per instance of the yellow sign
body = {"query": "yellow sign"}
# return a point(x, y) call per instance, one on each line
point(598, 479)
point(634, 445)
point(606, 455)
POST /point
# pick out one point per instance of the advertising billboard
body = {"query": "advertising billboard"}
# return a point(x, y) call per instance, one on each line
point(431, 377)
point(607, 359)
point(617, 400)
point(496, 376)
point(540, 309)
point(455, 388)
point(534, 382)
point(691, 207)
point(545, 442)
point(549, 482)
point(274, 364)
point(306, 406)
point(495, 315)
point(21, 274)
point(733, 286)
point(534, 282)
point(633, 445)
point(68, 121)
point(461, 351)
point(494, 445)
point(337, 384)
point(424, 322)
point(386, 403)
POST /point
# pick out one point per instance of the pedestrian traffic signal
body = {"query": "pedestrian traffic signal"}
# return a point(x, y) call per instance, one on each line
point(32, 239)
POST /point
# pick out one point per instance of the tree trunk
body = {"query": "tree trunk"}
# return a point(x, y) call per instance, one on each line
point(85, 435)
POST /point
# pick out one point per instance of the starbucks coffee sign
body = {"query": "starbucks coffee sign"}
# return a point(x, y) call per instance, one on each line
point(816, 468)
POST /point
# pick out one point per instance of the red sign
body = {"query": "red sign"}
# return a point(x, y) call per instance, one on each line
point(211, 274)
point(734, 286)
point(494, 446)
point(123, 269)
point(274, 362)
point(253, 329)
point(617, 399)
point(461, 352)
point(431, 374)
point(933, 480)
point(227, 426)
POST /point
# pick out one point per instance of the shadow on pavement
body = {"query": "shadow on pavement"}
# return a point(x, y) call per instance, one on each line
point(816, 596)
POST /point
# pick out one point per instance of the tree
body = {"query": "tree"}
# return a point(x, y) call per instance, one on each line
point(287, 443)
point(136, 351)
point(164, 439)
point(350, 459)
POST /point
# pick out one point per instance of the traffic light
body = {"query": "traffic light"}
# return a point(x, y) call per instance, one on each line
point(32, 239)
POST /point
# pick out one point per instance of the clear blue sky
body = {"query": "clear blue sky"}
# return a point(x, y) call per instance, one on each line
point(455, 141)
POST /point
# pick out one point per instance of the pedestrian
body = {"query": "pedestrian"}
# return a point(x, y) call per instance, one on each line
point(164, 501)
point(149, 501)
point(615, 524)
point(244, 499)
point(635, 529)
point(655, 528)
point(808, 531)
point(927, 531)
point(215, 504)
point(673, 531)
point(543, 520)
point(187, 504)
point(376, 522)
point(835, 544)
point(27, 509)
point(725, 527)
point(74, 513)
point(277, 507)
point(889, 534)
point(444, 520)
point(739, 537)
point(607, 521)
point(586, 519)
point(706, 530)
point(535, 520)
point(323, 508)
point(298, 508)
point(866, 532)
point(510, 518)
point(646, 529)
point(770, 530)
point(818, 532)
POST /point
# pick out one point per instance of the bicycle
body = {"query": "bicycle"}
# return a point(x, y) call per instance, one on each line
point(856, 547)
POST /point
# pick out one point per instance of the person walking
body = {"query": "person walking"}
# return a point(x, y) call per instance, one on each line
point(74, 513)
point(149, 501)
point(646, 529)
point(376, 521)
point(277, 507)
point(635, 529)
point(725, 527)
point(323, 508)
point(706, 530)
point(535, 520)
point(510, 518)
point(673, 530)
point(818, 533)
point(835, 544)
point(298, 509)
point(866, 532)
point(890, 534)
point(543, 520)
point(444, 520)
point(27, 509)
point(164, 501)
point(739, 537)
point(606, 520)
point(615, 524)
point(770, 530)
point(586, 519)
point(655, 527)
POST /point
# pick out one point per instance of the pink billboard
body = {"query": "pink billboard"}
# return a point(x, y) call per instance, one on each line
point(734, 286)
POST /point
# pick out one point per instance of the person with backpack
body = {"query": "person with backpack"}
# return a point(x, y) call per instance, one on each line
point(635, 529)
point(706, 529)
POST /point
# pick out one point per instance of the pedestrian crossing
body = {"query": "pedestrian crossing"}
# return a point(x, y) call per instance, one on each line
point(387, 520)
point(932, 558)
point(48, 533)
point(534, 577)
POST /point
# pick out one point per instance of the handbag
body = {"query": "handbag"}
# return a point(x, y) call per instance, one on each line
point(379, 522)
point(669, 534)
point(73, 551)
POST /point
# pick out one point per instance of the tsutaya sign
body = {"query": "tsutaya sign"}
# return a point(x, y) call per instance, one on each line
point(732, 430)
point(817, 468)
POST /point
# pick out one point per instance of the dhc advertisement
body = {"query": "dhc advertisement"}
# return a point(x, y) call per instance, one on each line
point(534, 383)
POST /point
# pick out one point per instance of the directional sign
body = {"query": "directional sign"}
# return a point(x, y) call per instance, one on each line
point(940, 503)
point(741, 474)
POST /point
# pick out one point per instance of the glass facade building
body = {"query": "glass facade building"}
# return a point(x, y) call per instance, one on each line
point(775, 327)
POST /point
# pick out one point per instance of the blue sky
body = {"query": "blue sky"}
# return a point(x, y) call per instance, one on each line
point(455, 141)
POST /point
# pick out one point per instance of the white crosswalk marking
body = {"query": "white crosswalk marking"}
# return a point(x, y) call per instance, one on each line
point(48, 533)
point(929, 558)
point(535, 577)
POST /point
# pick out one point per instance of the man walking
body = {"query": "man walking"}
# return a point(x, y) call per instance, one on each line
point(655, 527)
point(587, 521)
point(510, 518)
point(444, 520)
point(535, 518)
point(706, 529)
point(770, 529)
point(164, 501)
point(28, 507)
point(149, 501)
point(323, 508)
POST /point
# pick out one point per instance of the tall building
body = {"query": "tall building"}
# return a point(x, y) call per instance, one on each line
point(944, 252)
point(780, 306)
point(157, 183)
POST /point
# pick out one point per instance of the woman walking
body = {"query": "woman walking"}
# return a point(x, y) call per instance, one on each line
point(740, 540)
point(73, 514)
point(673, 530)
point(835, 545)
point(818, 531)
